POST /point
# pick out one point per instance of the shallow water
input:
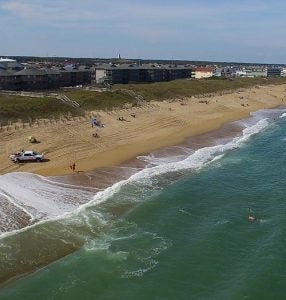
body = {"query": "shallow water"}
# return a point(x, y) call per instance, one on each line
point(175, 229)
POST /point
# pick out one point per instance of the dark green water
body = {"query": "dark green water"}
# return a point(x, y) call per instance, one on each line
point(181, 234)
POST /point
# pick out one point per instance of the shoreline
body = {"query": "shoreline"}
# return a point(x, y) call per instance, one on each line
point(228, 130)
point(155, 126)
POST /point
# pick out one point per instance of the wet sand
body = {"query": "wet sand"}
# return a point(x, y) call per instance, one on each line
point(155, 125)
point(99, 179)
point(100, 162)
point(12, 217)
point(104, 177)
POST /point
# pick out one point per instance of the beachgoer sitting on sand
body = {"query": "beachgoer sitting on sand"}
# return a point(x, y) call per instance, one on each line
point(32, 139)
point(95, 135)
point(93, 121)
point(96, 122)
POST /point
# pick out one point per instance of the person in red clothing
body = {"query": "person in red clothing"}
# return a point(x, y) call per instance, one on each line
point(72, 167)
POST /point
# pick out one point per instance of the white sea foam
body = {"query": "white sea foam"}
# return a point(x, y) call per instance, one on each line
point(185, 212)
point(41, 199)
point(195, 161)
point(170, 154)
point(153, 160)
point(283, 115)
point(140, 272)
point(147, 260)
point(270, 114)
point(222, 222)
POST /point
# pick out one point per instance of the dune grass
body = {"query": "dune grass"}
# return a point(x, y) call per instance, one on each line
point(90, 100)
point(187, 88)
point(13, 108)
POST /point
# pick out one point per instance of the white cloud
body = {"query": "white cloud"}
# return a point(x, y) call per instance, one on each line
point(196, 25)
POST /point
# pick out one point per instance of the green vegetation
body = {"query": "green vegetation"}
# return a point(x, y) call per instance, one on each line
point(89, 100)
point(13, 108)
point(186, 88)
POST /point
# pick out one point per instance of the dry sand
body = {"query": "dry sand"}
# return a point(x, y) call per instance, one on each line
point(155, 125)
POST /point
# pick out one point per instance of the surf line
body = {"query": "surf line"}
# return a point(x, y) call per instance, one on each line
point(189, 162)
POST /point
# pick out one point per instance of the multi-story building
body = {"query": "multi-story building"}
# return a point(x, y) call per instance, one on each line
point(14, 76)
point(273, 72)
point(255, 72)
point(128, 73)
point(249, 71)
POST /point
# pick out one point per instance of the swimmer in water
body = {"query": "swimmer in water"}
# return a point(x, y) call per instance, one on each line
point(251, 218)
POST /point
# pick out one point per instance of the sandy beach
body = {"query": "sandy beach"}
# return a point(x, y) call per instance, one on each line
point(144, 129)
point(191, 123)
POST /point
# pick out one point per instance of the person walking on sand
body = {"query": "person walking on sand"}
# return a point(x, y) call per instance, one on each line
point(72, 167)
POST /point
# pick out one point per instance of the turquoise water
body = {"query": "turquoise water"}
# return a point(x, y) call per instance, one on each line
point(179, 231)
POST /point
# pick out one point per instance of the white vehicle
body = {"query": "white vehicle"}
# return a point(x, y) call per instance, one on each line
point(26, 156)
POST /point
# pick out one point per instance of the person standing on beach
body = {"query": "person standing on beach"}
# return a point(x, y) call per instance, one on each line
point(72, 167)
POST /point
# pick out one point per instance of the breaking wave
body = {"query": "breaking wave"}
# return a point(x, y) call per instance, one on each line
point(39, 199)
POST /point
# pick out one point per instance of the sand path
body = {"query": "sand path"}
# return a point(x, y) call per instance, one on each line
point(156, 125)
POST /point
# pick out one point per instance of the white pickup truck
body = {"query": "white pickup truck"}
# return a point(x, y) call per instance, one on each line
point(26, 156)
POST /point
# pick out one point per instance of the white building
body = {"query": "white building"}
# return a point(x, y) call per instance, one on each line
point(202, 72)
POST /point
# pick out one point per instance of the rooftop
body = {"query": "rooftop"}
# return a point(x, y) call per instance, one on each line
point(6, 60)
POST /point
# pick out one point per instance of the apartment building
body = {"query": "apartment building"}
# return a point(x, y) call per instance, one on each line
point(273, 72)
point(17, 77)
point(249, 71)
point(128, 73)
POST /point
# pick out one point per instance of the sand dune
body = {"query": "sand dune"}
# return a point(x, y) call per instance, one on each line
point(155, 125)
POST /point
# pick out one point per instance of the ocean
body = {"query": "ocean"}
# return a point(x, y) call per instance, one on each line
point(169, 225)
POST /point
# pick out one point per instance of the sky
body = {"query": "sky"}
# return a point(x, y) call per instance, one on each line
point(205, 30)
